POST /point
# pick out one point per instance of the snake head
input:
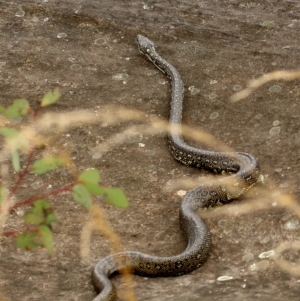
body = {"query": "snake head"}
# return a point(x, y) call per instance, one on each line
point(144, 44)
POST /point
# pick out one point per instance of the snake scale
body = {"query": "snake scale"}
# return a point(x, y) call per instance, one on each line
point(242, 170)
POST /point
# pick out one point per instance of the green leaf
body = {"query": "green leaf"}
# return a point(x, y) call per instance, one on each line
point(41, 212)
point(41, 204)
point(82, 196)
point(90, 179)
point(116, 197)
point(48, 164)
point(14, 140)
point(20, 107)
point(50, 98)
point(90, 175)
point(51, 218)
point(35, 218)
point(27, 241)
point(9, 132)
point(37, 214)
point(15, 160)
point(46, 237)
point(94, 189)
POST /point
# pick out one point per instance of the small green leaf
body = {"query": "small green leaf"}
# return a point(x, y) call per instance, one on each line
point(46, 237)
point(9, 132)
point(90, 179)
point(94, 189)
point(90, 175)
point(15, 160)
point(41, 204)
point(41, 212)
point(82, 196)
point(37, 214)
point(15, 141)
point(14, 138)
point(51, 218)
point(48, 164)
point(50, 98)
point(116, 197)
point(27, 241)
point(35, 218)
point(20, 107)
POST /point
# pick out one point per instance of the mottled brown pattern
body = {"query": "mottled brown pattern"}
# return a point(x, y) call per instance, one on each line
point(244, 171)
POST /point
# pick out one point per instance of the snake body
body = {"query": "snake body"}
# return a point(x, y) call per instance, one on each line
point(243, 170)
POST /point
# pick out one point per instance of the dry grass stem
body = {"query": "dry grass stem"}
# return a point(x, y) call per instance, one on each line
point(4, 207)
point(100, 223)
point(109, 114)
point(155, 127)
point(256, 83)
point(283, 264)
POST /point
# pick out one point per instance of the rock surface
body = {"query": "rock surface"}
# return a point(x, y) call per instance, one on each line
point(87, 49)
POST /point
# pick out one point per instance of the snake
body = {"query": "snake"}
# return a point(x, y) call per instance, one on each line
point(242, 172)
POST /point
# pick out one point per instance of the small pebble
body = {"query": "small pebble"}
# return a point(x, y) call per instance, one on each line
point(222, 223)
point(181, 192)
point(258, 116)
point(266, 254)
point(292, 225)
point(120, 76)
point(20, 13)
point(248, 257)
point(224, 278)
point(61, 35)
point(151, 72)
point(275, 89)
point(76, 67)
point(151, 167)
point(194, 91)
point(96, 156)
point(136, 137)
point(257, 75)
point(275, 130)
point(100, 41)
point(214, 115)
point(262, 265)
point(237, 88)
point(35, 185)
point(212, 96)
point(149, 152)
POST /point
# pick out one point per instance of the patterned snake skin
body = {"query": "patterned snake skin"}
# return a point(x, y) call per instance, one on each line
point(242, 170)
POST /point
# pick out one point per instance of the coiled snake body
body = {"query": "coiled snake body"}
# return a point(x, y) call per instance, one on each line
point(243, 172)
